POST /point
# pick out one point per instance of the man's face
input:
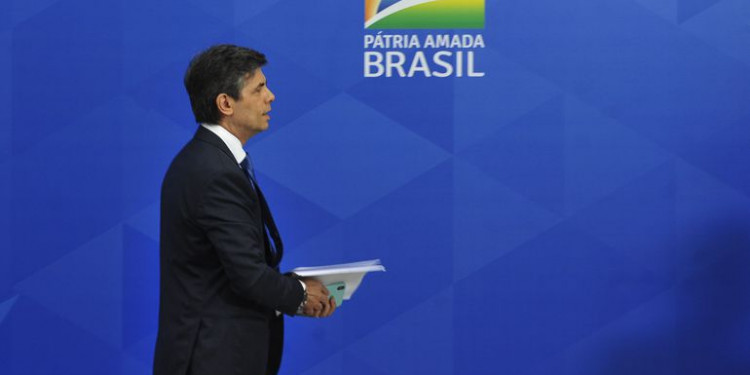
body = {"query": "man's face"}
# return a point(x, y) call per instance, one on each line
point(252, 107)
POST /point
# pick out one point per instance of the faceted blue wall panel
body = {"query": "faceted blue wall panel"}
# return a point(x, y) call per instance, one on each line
point(582, 208)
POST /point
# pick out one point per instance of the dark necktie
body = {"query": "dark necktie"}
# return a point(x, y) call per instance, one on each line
point(274, 249)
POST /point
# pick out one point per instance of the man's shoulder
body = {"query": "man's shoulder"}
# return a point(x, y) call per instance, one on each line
point(197, 163)
point(199, 155)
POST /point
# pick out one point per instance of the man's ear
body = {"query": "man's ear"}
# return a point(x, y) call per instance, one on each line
point(225, 103)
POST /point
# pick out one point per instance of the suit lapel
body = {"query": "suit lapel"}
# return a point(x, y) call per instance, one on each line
point(205, 135)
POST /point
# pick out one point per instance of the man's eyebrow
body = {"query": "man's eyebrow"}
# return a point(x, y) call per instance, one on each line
point(261, 84)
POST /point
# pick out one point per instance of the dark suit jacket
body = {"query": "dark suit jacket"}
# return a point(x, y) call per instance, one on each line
point(220, 284)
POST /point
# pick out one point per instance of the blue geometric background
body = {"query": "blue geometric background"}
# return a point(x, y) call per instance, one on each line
point(583, 208)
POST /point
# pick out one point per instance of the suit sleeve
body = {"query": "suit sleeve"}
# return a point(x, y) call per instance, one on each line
point(228, 217)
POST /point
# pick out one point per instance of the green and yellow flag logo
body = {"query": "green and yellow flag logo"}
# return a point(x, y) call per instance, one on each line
point(424, 14)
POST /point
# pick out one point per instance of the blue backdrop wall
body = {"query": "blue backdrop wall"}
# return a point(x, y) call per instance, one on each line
point(582, 208)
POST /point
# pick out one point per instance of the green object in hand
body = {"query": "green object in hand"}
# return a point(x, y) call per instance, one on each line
point(336, 290)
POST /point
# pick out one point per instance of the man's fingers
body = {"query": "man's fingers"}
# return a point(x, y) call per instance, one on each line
point(312, 307)
point(332, 303)
point(320, 306)
point(317, 306)
point(326, 309)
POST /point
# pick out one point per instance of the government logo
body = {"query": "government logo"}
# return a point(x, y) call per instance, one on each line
point(424, 14)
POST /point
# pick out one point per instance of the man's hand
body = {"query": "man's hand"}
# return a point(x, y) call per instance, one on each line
point(319, 302)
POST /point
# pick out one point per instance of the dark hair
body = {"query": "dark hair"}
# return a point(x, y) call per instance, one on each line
point(219, 69)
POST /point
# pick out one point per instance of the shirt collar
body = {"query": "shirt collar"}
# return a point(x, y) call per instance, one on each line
point(232, 142)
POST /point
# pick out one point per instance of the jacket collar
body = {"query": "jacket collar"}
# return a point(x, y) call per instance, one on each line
point(205, 135)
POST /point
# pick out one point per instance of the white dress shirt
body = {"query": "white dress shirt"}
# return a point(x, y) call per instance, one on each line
point(232, 142)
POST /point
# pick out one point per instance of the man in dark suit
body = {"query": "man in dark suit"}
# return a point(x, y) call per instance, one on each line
point(222, 295)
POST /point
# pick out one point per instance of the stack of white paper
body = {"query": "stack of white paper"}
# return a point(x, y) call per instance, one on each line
point(351, 274)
